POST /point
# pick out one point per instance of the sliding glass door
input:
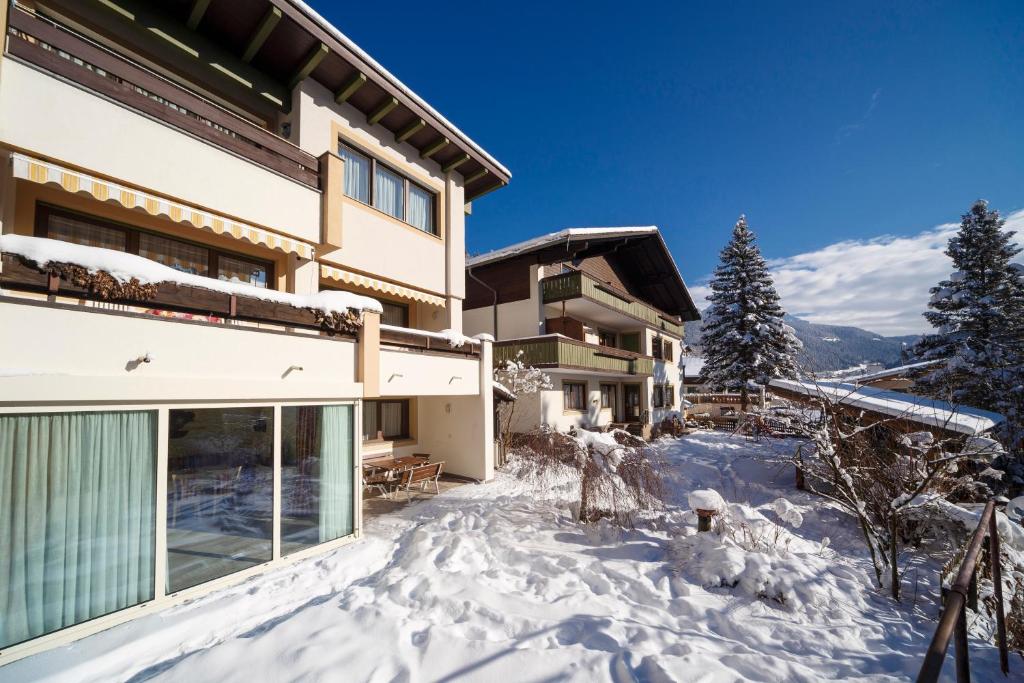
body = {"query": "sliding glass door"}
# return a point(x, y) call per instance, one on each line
point(77, 518)
point(317, 501)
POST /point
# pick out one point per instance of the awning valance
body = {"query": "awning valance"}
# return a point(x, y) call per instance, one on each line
point(47, 173)
point(333, 273)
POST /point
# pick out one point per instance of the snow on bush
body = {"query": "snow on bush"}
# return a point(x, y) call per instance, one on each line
point(788, 513)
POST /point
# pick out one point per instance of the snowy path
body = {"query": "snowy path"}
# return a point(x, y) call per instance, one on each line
point(495, 583)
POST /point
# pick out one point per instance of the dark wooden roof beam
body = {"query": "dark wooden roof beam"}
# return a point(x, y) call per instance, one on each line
point(196, 15)
point(311, 61)
point(435, 147)
point(381, 110)
point(476, 194)
point(476, 176)
point(262, 32)
point(350, 88)
point(455, 163)
point(410, 130)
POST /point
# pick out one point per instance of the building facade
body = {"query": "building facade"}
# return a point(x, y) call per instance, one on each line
point(232, 268)
point(601, 310)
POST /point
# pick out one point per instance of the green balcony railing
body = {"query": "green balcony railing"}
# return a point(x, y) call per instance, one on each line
point(577, 284)
point(560, 352)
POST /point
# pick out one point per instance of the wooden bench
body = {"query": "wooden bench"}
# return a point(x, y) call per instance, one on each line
point(422, 475)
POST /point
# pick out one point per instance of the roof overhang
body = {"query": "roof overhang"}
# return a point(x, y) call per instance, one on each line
point(658, 278)
point(269, 46)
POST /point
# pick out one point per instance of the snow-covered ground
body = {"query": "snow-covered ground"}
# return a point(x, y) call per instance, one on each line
point(495, 582)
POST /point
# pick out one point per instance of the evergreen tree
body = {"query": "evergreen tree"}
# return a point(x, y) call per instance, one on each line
point(978, 316)
point(744, 337)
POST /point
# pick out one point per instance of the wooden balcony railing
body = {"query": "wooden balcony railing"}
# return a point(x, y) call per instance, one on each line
point(60, 51)
point(560, 352)
point(576, 285)
point(412, 340)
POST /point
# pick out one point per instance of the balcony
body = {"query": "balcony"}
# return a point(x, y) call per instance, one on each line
point(59, 51)
point(580, 287)
point(555, 351)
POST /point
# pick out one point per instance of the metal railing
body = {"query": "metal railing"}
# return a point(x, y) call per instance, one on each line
point(963, 593)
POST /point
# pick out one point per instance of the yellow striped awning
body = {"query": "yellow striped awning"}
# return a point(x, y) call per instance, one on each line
point(333, 273)
point(47, 173)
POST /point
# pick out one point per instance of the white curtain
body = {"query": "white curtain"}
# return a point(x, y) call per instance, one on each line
point(357, 175)
point(336, 485)
point(391, 416)
point(388, 192)
point(421, 208)
point(77, 509)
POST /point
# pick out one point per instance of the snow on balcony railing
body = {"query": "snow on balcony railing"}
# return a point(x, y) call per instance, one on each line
point(127, 267)
point(451, 337)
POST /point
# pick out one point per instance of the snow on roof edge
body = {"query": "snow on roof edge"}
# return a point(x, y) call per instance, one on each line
point(347, 42)
point(889, 372)
point(123, 267)
point(933, 412)
point(553, 237)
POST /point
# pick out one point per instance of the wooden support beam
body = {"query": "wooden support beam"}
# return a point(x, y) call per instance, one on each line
point(476, 195)
point(262, 32)
point(312, 60)
point(410, 130)
point(455, 163)
point(476, 176)
point(170, 44)
point(350, 88)
point(435, 147)
point(382, 110)
point(196, 15)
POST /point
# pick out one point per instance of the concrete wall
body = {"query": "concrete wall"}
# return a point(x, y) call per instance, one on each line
point(412, 373)
point(48, 117)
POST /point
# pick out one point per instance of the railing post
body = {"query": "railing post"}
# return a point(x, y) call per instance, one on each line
point(963, 664)
point(997, 590)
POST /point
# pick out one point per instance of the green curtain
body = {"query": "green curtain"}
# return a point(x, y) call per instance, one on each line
point(77, 526)
point(336, 489)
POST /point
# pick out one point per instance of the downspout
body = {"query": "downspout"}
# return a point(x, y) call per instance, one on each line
point(494, 293)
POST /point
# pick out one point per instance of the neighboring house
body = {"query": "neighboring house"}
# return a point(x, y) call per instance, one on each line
point(601, 309)
point(163, 437)
point(903, 412)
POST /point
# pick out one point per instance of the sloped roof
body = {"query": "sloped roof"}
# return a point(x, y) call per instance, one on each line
point(898, 371)
point(926, 411)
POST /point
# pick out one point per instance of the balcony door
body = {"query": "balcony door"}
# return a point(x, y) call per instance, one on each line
point(631, 402)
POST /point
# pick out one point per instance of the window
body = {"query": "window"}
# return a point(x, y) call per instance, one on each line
point(667, 349)
point(388, 192)
point(372, 182)
point(357, 174)
point(659, 396)
point(656, 347)
point(574, 395)
point(630, 341)
point(608, 397)
point(606, 338)
point(421, 208)
point(388, 420)
point(186, 257)
point(316, 475)
point(670, 396)
point(664, 396)
point(395, 314)
point(220, 492)
point(78, 525)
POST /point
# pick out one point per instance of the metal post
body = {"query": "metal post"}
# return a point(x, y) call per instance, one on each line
point(997, 589)
point(963, 665)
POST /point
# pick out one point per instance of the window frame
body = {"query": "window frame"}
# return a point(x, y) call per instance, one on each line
point(658, 396)
point(132, 234)
point(403, 306)
point(603, 335)
point(378, 404)
point(608, 397)
point(406, 182)
point(657, 348)
point(567, 386)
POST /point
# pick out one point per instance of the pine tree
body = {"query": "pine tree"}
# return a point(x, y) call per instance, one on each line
point(978, 315)
point(744, 337)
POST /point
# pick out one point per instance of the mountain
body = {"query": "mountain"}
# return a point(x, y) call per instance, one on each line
point(833, 347)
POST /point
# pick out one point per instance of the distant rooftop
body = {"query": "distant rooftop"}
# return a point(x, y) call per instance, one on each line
point(926, 411)
point(893, 372)
point(554, 238)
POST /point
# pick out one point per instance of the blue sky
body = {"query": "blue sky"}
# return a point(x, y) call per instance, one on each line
point(822, 122)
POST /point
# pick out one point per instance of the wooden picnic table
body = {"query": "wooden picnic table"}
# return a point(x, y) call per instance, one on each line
point(400, 463)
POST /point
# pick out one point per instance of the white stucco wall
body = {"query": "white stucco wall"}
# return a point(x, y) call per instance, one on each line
point(48, 117)
point(412, 373)
point(81, 355)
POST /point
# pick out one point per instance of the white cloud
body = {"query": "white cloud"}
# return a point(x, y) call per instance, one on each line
point(879, 284)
